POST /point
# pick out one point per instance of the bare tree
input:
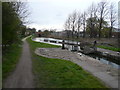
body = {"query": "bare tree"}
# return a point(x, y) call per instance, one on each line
point(73, 23)
point(84, 23)
point(67, 26)
point(102, 13)
point(21, 9)
point(78, 24)
point(92, 12)
point(112, 17)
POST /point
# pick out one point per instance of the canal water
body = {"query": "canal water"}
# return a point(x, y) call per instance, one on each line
point(48, 40)
point(102, 59)
point(105, 60)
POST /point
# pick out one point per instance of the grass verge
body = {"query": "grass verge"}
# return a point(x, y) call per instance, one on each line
point(10, 59)
point(57, 73)
point(109, 48)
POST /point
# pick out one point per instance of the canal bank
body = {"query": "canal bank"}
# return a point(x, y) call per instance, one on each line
point(109, 53)
point(104, 56)
point(105, 73)
point(107, 57)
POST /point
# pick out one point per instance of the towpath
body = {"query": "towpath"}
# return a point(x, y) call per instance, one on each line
point(22, 77)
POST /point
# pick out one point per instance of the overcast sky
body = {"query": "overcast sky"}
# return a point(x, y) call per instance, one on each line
point(51, 14)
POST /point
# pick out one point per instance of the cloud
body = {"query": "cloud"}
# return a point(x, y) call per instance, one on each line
point(53, 13)
point(59, 27)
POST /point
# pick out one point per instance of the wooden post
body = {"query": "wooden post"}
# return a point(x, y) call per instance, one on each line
point(94, 46)
point(63, 45)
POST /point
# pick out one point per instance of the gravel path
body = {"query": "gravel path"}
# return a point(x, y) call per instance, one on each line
point(22, 77)
point(106, 73)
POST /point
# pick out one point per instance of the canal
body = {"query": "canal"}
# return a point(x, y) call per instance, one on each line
point(105, 60)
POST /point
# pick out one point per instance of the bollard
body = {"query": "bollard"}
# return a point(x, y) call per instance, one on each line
point(63, 45)
point(94, 46)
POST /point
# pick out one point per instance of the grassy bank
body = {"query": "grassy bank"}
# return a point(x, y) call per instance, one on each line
point(109, 48)
point(57, 73)
point(10, 59)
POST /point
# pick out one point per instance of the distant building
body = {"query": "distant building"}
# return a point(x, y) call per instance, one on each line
point(39, 34)
point(27, 33)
